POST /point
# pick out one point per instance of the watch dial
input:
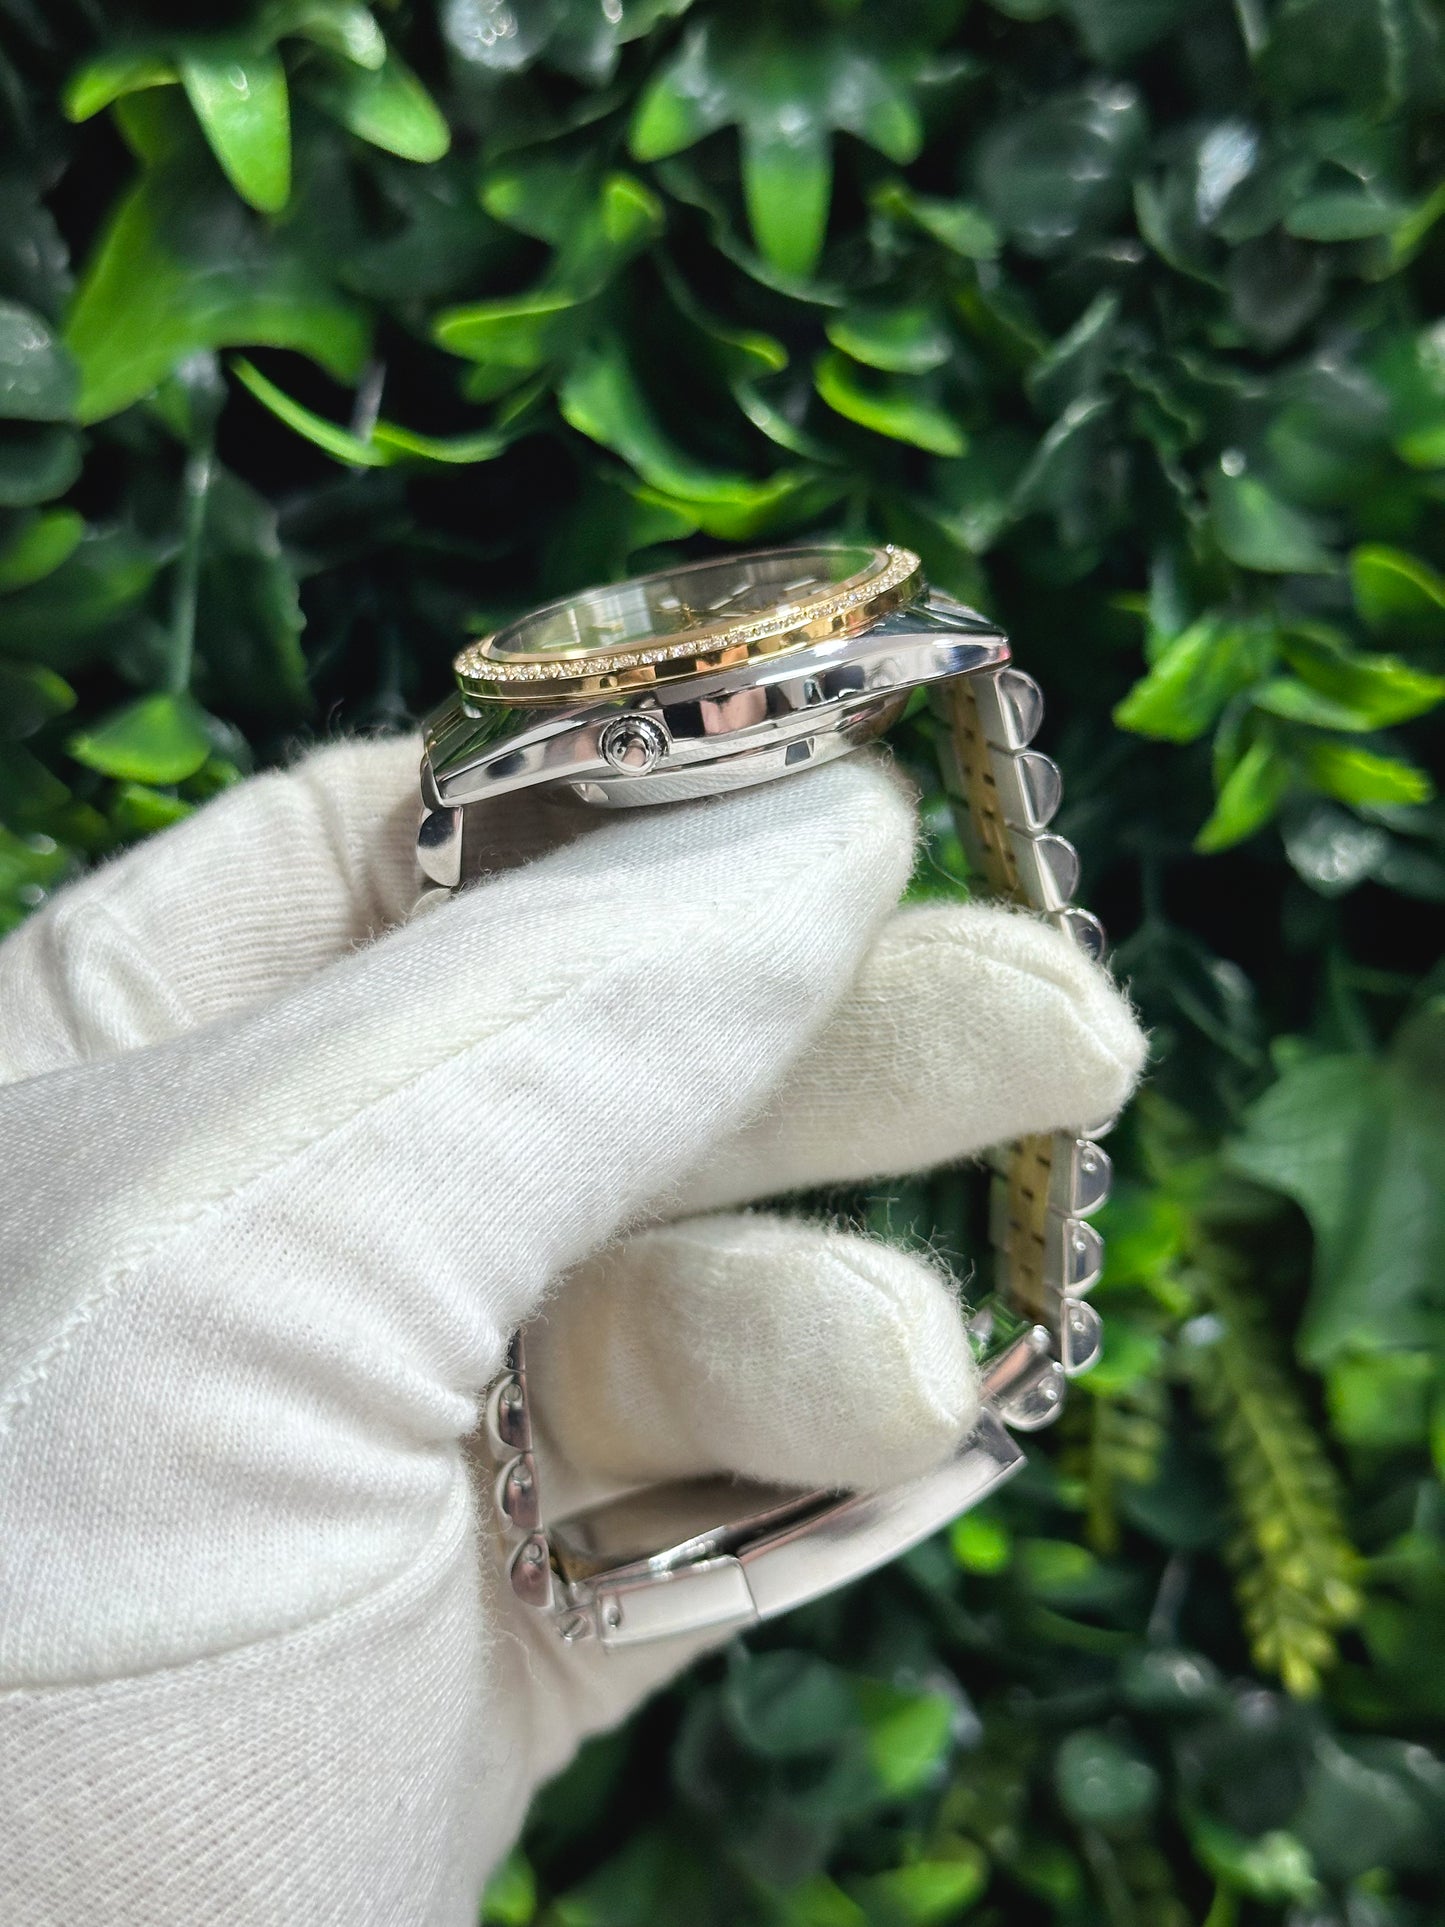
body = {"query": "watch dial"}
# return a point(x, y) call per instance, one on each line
point(730, 589)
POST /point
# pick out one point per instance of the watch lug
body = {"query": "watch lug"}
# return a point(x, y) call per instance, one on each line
point(439, 847)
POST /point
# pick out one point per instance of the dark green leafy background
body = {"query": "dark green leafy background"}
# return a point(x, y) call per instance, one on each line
point(328, 336)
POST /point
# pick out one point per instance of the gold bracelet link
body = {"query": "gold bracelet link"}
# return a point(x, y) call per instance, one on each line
point(1005, 794)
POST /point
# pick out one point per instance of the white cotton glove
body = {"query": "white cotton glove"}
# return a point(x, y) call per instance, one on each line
point(277, 1188)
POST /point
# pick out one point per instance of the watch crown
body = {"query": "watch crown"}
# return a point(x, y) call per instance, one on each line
point(632, 744)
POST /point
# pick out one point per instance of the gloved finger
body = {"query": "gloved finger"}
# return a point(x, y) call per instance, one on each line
point(258, 890)
point(967, 1025)
point(255, 893)
point(420, 1139)
point(767, 1347)
point(749, 1344)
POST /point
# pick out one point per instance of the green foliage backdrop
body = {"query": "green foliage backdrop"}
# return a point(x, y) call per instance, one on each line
point(327, 336)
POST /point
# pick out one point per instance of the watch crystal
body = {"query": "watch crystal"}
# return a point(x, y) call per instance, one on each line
point(727, 590)
point(699, 616)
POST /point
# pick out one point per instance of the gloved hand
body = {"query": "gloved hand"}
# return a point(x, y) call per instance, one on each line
point(280, 1180)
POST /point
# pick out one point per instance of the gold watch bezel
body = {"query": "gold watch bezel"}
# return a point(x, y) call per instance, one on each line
point(893, 578)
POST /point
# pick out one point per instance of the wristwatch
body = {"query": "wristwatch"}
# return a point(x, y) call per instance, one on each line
point(711, 676)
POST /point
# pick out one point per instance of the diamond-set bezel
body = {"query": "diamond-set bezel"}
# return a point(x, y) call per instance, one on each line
point(482, 677)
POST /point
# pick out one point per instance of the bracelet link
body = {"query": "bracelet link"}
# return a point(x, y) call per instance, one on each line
point(1047, 1256)
point(508, 1427)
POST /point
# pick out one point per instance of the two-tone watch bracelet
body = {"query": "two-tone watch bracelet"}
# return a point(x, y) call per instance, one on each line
point(714, 1556)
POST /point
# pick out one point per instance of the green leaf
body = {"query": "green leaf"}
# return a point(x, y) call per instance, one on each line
point(1301, 1137)
point(1414, 228)
point(1381, 689)
point(1351, 213)
point(1382, 1399)
point(1060, 170)
point(787, 1705)
point(239, 97)
point(1249, 796)
point(30, 697)
point(158, 127)
point(1369, 1805)
point(1131, 1358)
point(602, 398)
point(387, 106)
point(1064, 1574)
point(959, 226)
point(680, 105)
point(1331, 848)
point(248, 625)
point(38, 547)
point(518, 335)
point(900, 341)
point(511, 1896)
point(909, 1734)
point(1353, 53)
point(1412, 369)
point(1193, 678)
point(1396, 593)
point(893, 408)
point(59, 619)
point(787, 499)
point(1075, 366)
point(539, 192)
point(1272, 1866)
point(1102, 1783)
point(788, 184)
point(111, 75)
point(157, 740)
point(388, 442)
point(338, 442)
point(1259, 531)
point(786, 96)
point(1172, 1681)
point(1425, 448)
point(38, 461)
point(181, 268)
point(37, 377)
point(29, 867)
point(30, 792)
point(346, 30)
point(397, 442)
point(980, 1543)
point(651, 1871)
point(1116, 30)
point(139, 810)
point(1297, 702)
point(1145, 1232)
point(1360, 1146)
point(626, 216)
point(926, 1893)
point(34, 258)
point(818, 1902)
point(1357, 775)
point(1062, 475)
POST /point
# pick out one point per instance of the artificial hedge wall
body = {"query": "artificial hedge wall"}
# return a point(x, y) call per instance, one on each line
point(328, 336)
